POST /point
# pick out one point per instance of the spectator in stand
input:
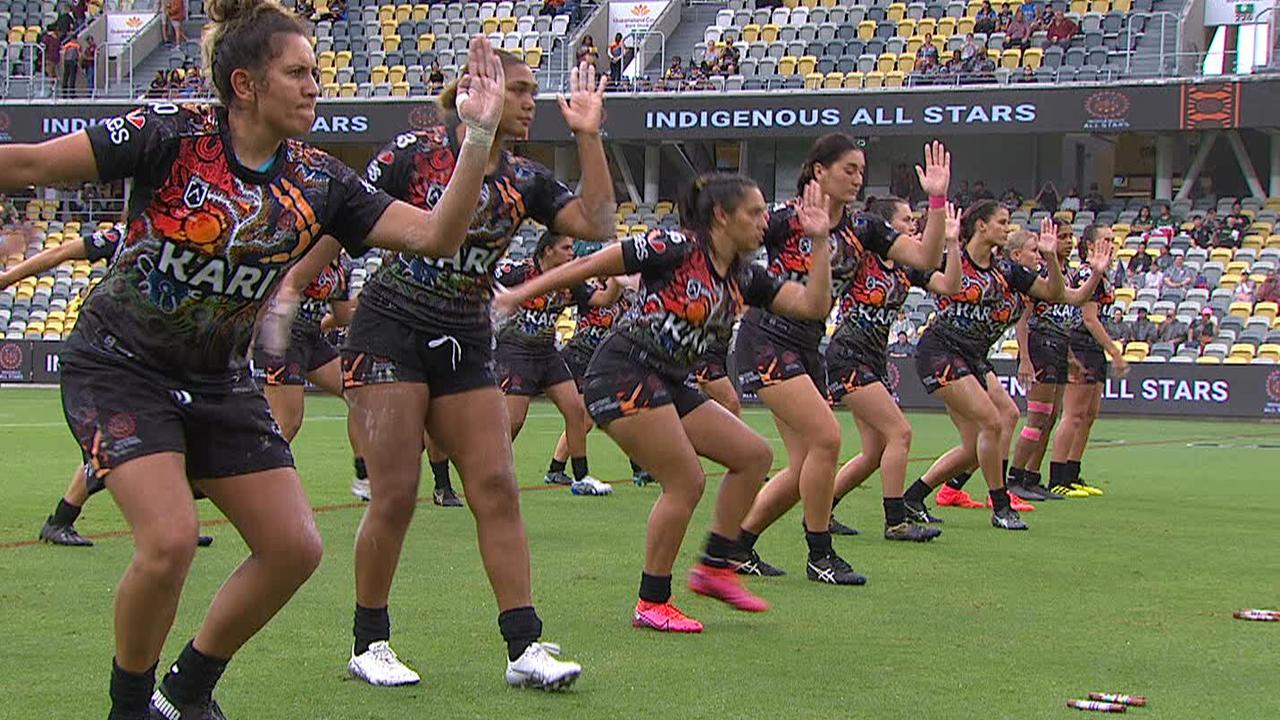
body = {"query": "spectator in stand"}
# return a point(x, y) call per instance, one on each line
point(8, 212)
point(986, 21)
point(1144, 222)
point(1029, 10)
point(982, 70)
point(70, 65)
point(970, 49)
point(80, 12)
point(1028, 75)
point(617, 54)
point(1166, 218)
point(1164, 258)
point(1094, 201)
point(1119, 275)
point(1011, 199)
point(902, 325)
point(1207, 234)
point(1171, 330)
point(63, 24)
point(901, 348)
point(1116, 327)
point(1153, 279)
point(1061, 29)
point(551, 7)
point(1004, 18)
point(699, 76)
point(963, 196)
point(1237, 224)
point(1244, 290)
point(435, 79)
point(175, 13)
point(1018, 34)
point(726, 62)
point(1047, 199)
point(1071, 201)
point(980, 192)
point(159, 85)
point(673, 78)
point(1179, 276)
point(587, 50)
point(1204, 330)
point(927, 54)
point(956, 66)
point(1269, 288)
point(304, 9)
point(193, 83)
point(51, 43)
point(1143, 329)
point(1141, 262)
point(88, 59)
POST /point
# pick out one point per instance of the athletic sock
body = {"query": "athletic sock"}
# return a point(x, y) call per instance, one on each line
point(371, 625)
point(1057, 473)
point(655, 588)
point(957, 482)
point(721, 552)
point(747, 539)
point(1031, 478)
point(918, 491)
point(1014, 477)
point(520, 627)
point(895, 511)
point(835, 501)
point(440, 472)
point(64, 515)
point(635, 466)
point(999, 499)
point(362, 473)
point(130, 692)
point(1073, 471)
point(579, 467)
point(556, 466)
point(190, 681)
point(819, 543)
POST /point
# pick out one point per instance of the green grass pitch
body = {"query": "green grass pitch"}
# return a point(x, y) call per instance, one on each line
point(1131, 592)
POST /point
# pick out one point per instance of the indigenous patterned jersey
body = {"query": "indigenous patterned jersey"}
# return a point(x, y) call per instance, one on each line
point(684, 305)
point(533, 324)
point(872, 291)
point(790, 257)
point(453, 293)
point(596, 322)
point(1051, 318)
point(1104, 295)
point(103, 244)
point(208, 239)
point(990, 300)
point(331, 285)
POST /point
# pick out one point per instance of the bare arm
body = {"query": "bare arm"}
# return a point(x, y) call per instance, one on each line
point(65, 160)
point(53, 257)
point(590, 217)
point(606, 262)
point(1099, 333)
point(607, 296)
point(313, 262)
point(926, 252)
point(340, 315)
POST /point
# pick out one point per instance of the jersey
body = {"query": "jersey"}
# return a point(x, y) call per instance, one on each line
point(1104, 295)
point(207, 239)
point(533, 324)
point(453, 293)
point(1050, 318)
point(685, 305)
point(870, 291)
point(594, 322)
point(790, 257)
point(103, 244)
point(990, 300)
point(333, 284)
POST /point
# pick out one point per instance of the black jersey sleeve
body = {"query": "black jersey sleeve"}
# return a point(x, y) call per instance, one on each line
point(874, 233)
point(544, 196)
point(1020, 278)
point(582, 295)
point(130, 145)
point(102, 244)
point(759, 286)
point(658, 251)
point(511, 274)
point(354, 207)
point(391, 168)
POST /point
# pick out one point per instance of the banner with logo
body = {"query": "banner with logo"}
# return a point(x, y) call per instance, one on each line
point(629, 17)
point(122, 27)
point(710, 116)
point(1230, 12)
point(15, 361)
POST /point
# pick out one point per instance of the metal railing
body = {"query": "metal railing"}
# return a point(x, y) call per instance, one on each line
point(1165, 18)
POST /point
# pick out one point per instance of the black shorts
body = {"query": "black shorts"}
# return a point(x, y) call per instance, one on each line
point(527, 371)
point(939, 363)
point(712, 366)
point(119, 413)
point(577, 360)
point(765, 358)
point(1088, 366)
point(382, 350)
point(1048, 353)
point(622, 381)
point(850, 367)
point(306, 354)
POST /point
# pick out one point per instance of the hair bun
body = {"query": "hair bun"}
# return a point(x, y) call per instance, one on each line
point(225, 11)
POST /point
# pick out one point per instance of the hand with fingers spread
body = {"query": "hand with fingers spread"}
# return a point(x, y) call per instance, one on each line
point(814, 213)
point(1047, 243)
point(583, 110)
point(481, 91)
point(953, 225)
point(1100, 256)
point(935, 176)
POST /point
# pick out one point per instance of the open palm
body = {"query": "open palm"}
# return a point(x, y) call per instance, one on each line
point(482, 89)
point(935, 176)
point(813, 213)
point(583, 110)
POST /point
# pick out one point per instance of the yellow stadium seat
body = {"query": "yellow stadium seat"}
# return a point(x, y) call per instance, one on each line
point(1137, 348)
point(1273, 241)
point(1011, 58)
point(787, 65)
point(769, 33)
point(1270, 351)
point(873, 79)
point(426, 42)
point(1245, 350)
point(1009, 346)
point(396, 74)
point(833, 80)
point(1033, 58)
point(388, 28)
point(994, 55)
point(806, 65)
point(16, 33)
point(391, 43)
point(329, 90)
point(489, 25)
point(420, 12)
point(1253, 242)
point(1268, 310)
point(1241, 310)
point(973, 7)
point(895, 79)
point(326, 59)
point(965, 26)
point(1208, 360)
point(533, 57)
point(888, 61)
point(403, 13)
point(751, 33)
point(347, 90)
point(926, 26)
point(1079, 7)
point(809, 3)
point(813, 81)
point(906, 28)
point(506, 25)
point(1237, 267)
point(913, 43)
point(342, 59)
point(790, 4)
point(1102, 7)
point(853, 80)
point(626, 208)
point(1236, 360)
point(639, 229)
point(386, 13)
point(33, 34)
point(1221, 255)
point(946, 27)
point(1121, 6)
point(400, 89)
point(906, 62)
point(378, 74)
point(866, 30)
point(1126, 294)
point(896, 12)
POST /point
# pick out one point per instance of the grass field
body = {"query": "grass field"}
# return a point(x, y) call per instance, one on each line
point(1130, 592)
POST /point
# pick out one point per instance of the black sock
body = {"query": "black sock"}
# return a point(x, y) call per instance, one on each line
point(747, 539)
point(64, 515)
point(191, 679)
point(130, 692)
point(1004, 470)
point(635, 466)
point(835, 500)
point(371, 625)
point(655, 588)
point(1073, 471)
point(521, 628)
point(999, 499)
point(958, 481)
point(1031, 478)
point(440, 472)
point(918, 492)
point(556, 466)
point(819, 543)
point(1057, 473)
point(721, 552)
point(1014, 476)
point(895, 511)
point(579, 467)
point(362, 473)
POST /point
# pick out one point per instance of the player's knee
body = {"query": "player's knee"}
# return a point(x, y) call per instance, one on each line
point(167, 554)
point(756, 457)
point(492, 491)
point(394, 502)
point(733, 404)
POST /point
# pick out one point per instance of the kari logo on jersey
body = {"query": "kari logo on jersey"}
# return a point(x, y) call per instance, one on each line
point(196, 193)
point(201, 273)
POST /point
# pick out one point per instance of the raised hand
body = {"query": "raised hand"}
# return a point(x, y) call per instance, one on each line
point(953, 224)
point(482, 90)
point(935, 176)
point(1047, 243)
point(814, 213)
point(584, 109)
point(1100, 256)
point(504, 305)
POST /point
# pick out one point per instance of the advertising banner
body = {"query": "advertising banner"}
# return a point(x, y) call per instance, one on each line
point(15, 361)
point(44, 361)
point(629, 17)
point(1230, 12)
point(122, 27)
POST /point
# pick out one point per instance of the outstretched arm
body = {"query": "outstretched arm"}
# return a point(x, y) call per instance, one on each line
point(926, 252)
point(606, 262)
point(53, 257)
point(62, 161)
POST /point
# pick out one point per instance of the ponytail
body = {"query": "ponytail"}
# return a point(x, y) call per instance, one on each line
point(708, 192)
